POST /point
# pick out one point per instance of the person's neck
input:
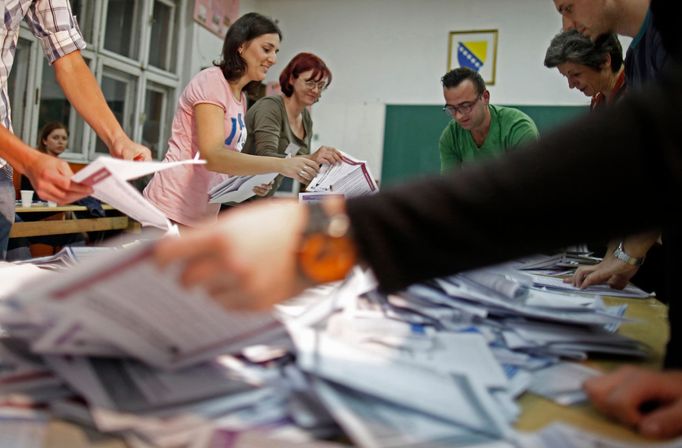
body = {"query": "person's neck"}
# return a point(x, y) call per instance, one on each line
point(479, 133)
point(293, 107)
point(609, 92)
point(631, 15)
point(237, 86)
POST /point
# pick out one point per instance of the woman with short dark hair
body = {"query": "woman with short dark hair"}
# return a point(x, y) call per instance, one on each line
point(594, 68)
point(276, 121)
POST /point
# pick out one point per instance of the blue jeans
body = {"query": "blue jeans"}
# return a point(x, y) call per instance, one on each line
point(7, 196)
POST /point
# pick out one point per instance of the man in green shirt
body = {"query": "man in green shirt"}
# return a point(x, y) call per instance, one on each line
point(478, 129)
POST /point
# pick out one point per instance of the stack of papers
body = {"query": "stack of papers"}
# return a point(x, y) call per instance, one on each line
point(118, 345)
point(240, 188)
point(350, 177)
point(109, 179)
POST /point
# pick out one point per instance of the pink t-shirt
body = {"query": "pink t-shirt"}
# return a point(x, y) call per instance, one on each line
point(181, 193)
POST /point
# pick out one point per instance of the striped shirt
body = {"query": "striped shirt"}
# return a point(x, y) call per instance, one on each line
point(51, 22)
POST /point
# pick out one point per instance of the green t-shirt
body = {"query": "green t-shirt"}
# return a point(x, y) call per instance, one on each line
point(509, 128)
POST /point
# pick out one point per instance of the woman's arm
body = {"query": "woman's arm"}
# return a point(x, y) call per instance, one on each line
point(211, 136)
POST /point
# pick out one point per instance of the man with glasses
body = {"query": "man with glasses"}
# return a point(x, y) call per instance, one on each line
point(478, 129)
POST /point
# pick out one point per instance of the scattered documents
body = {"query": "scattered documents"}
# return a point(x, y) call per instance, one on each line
point(113, 343)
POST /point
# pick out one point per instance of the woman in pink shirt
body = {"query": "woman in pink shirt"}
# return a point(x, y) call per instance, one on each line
point(209, 121)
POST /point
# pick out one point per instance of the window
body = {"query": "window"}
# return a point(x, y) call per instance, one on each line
point(157, 116)
point(163, 36)
point(17, 85)
point(122, 27)
point(134, 49)
point(85, 12)
point(120, 91)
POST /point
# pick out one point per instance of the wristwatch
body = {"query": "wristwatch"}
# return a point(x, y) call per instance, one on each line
point(620, 254)
point(327, 251)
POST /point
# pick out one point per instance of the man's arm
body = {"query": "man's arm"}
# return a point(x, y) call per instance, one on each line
point(48, 175)
point(523, 131)
point(83, 92)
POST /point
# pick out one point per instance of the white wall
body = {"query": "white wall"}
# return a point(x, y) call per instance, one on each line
point(395, 51)
point(204, 47)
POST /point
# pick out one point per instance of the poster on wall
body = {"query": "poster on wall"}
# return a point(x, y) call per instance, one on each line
point(216, 15)
point(476, 49)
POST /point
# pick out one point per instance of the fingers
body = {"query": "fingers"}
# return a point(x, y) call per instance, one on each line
point(190, 246)
point(262, 190)
point(307, 170)
point(326, 154)
point(665, 422)
point(580, 274)
point(594, 278)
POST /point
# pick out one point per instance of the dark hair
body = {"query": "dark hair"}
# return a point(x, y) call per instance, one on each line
point(571, 46)
point(453, 78)
point(246, 28)
point(303, 62)
point(46, 130)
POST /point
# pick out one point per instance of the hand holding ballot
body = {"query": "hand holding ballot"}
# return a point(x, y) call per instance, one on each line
point(226, 259)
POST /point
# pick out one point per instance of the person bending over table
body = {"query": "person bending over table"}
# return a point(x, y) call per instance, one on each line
point(275, 121)
point(478, 130)
point(209, 121)
point(54, 25)
point(486, 213)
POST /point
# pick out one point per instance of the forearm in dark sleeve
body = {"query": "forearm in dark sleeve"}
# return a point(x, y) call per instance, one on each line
point(605, 174)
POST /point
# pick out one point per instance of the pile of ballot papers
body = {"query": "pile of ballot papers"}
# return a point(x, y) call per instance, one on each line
point(116, 344)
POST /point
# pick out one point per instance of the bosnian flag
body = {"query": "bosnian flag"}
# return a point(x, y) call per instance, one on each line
point(472, 54)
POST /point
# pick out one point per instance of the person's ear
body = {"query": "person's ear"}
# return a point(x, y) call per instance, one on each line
point(607, 62)
point(486, 96)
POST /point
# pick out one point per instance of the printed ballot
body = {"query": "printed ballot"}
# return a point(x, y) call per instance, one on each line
point(350, 177)
point(109, 178)
point(240, 188)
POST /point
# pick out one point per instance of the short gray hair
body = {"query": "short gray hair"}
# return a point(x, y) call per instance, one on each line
point(571, 46)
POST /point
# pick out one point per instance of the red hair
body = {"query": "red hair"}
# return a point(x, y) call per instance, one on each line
point(301, 63)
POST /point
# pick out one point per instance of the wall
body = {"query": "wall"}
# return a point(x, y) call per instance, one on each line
point(204, 47)
point(395, 51)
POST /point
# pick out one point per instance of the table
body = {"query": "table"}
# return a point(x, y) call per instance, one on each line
point(63, 224)
point(651, 327)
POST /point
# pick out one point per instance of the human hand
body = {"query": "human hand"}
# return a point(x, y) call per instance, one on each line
point(627, 393)
point(300, 168)
point(124, 148)
point(326, 154)
point(51, 179)
point(226, 258)
point(263, 189)
point(610, 270)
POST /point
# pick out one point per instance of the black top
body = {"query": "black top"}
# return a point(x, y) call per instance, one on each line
point(610, 174)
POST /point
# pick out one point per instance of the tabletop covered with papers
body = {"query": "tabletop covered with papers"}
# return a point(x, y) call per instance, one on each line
point(118, 346)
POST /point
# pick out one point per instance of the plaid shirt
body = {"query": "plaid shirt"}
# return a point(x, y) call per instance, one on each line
point(51, 22)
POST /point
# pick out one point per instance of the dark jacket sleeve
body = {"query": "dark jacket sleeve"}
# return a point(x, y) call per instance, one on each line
point(611, 173)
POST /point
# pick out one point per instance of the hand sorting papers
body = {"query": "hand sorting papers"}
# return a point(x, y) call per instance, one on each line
point(350, 177)
point(109, 178)
point(240, 188)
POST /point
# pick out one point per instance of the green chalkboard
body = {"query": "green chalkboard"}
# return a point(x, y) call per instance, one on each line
point(411, 136)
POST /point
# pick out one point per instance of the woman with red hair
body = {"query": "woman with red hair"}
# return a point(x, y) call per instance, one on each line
point(275, 121)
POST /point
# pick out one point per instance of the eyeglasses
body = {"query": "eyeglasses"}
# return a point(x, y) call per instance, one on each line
point(311, 85)
point(463, 108)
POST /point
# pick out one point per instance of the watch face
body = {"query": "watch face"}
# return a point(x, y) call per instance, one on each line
point(323, 258)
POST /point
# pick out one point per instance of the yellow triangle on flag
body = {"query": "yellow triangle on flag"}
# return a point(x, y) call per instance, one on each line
point(479, 48)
